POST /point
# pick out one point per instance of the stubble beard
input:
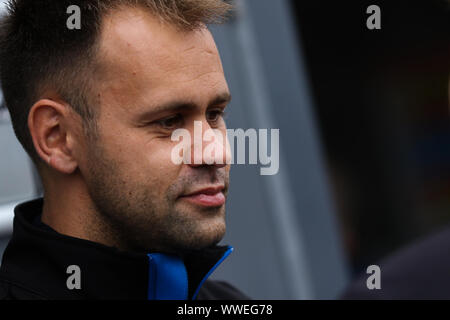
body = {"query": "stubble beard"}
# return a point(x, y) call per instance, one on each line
point(134, 219)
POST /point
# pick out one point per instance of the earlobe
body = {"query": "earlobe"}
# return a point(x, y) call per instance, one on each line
point(62, 164)
point(47, 125)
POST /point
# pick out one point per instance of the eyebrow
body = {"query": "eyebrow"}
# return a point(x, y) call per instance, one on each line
point(174, 106)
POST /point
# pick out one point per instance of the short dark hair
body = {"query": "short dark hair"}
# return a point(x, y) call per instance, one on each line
point(38, 52)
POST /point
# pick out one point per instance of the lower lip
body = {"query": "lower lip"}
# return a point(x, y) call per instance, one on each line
point(207, 200)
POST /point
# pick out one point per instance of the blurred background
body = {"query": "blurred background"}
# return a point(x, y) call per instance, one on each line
point(364, 141)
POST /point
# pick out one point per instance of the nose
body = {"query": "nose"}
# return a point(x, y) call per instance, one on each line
point(209, 146)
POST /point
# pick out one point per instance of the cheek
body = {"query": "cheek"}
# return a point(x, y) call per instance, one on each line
point(156, 156)
point(144, 160)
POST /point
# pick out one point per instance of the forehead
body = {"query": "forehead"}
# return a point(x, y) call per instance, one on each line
point(134, 42)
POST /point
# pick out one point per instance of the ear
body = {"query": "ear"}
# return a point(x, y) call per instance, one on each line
point(53, 130)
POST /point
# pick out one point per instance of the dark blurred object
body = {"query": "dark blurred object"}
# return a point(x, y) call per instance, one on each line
point(382, 104)
point(417, 272)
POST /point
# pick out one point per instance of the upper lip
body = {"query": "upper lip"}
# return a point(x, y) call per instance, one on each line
point(208, 191)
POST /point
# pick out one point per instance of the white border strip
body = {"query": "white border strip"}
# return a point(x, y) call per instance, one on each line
point(7, 217)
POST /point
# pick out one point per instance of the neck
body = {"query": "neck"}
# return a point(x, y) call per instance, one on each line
point(69, 210)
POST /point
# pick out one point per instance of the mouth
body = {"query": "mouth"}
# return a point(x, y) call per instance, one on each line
point(207, 197)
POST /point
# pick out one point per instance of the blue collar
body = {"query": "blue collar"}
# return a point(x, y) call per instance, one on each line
point(168, 277)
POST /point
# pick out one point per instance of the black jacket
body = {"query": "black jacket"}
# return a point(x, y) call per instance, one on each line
point(38, 264)
point(419, 271)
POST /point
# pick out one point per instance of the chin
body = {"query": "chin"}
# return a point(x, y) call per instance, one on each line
point(207, 235)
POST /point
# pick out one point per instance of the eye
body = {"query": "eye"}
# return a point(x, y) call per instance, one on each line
point(215, 115)
point(172, 122)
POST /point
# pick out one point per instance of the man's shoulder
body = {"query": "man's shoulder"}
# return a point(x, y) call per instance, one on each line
point(220, 290)
point(419, 271)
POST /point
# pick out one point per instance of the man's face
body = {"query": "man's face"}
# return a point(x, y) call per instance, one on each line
point(148, 69)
